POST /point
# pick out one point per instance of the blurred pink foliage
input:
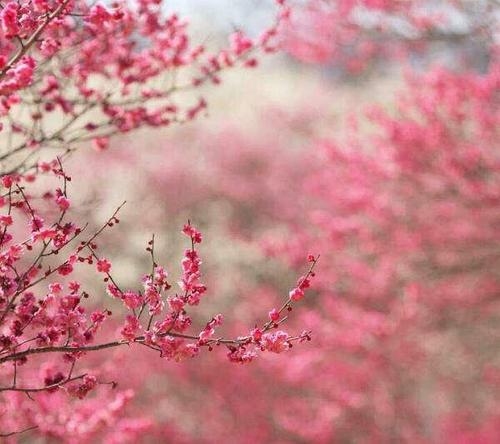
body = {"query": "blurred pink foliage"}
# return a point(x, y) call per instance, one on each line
point(354, 34)
point(404, 316)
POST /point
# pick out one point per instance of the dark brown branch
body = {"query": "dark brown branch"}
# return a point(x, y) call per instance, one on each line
point(6, 435)
point(41, 389)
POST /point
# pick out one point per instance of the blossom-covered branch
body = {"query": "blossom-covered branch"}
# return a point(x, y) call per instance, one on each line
point(35, 321)
point(101, 70)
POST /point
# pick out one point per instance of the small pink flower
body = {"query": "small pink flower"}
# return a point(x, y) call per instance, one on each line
point(36, 223)
point(103, 266)
point(100, 143)
point(206, 334)
point(45, 235)
point(80, 391)
point(296, 294)
point(55, 287)
point(176, 304)
point(130, 328)
point(274, 315)
point(98, 15)
point(65, 269)
point(275, 342)
point(49, 46)
point(8, 19)
point(256, 334)
point(113, 291)
point(240, 43)
point(7, 181)
point(6, 220)
point(218, 319)
point(193, 233)
point(132, 300)
point(63, 203)
point(74, 286)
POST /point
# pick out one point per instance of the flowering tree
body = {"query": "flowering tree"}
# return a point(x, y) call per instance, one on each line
point(405, 311)
point(69, 73)
point(403, 208)
point(405, 215)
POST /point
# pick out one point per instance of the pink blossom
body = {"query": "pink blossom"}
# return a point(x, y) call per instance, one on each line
point(296, 294)
point(274, 315)
point(131, 328)
point(63, 203)
point(8, 19)
point(276, 342)
point(103, 266)
point(100, 143)
point(132, 300)
point(6, 220)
